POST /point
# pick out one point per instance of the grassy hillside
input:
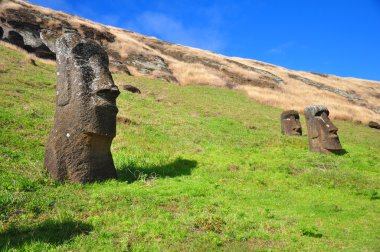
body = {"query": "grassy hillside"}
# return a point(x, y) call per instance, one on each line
point(200, 168)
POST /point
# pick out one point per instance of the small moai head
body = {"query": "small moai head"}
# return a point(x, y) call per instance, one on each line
point(290, 123)
point(322, 133)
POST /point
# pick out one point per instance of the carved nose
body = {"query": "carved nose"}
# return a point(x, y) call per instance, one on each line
point(114, 91)
point(333, 131)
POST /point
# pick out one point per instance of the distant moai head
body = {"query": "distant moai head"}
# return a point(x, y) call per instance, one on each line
point(290, 123)
point(78, 148)
point(322, 133)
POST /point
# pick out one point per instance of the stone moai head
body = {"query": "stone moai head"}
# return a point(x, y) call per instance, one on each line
point(290, 123)
point(322, 133)
point(78, 148)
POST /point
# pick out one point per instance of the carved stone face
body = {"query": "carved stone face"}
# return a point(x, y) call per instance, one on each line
point(78, 148)
point(87, 83)
point(322, 132)
point(290, 123)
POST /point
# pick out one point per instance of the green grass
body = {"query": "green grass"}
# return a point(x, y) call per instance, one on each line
point(200, 169)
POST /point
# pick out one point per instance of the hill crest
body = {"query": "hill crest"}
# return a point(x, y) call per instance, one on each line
point(135, 54)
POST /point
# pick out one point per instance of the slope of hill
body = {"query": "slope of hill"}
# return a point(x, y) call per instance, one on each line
point(138, 55)
point(200, 169)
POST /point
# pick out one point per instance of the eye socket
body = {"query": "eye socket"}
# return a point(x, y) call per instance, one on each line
point(319, 113)
point(289, 117)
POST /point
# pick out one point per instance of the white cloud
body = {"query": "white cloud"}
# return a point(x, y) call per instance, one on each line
point(167, 28)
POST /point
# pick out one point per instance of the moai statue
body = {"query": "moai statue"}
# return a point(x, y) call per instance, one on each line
point(78, 148)
point(322, 133)
point(290, 123)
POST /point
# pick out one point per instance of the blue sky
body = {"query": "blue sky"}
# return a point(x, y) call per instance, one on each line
point(340, 37)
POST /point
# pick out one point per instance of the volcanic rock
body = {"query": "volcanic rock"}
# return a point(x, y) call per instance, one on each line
point(374, 125)
point(78, 148)
point(130, 88)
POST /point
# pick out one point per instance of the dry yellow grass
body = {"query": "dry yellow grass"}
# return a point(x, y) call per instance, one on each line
point(187, 73)
point(293, 94)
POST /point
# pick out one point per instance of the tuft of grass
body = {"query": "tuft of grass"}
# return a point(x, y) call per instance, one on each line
point(311, 232)
point(200, 168)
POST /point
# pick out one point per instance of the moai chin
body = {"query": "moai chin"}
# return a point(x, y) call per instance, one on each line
point(322, 133)
point(290, 123)
point(78, 148)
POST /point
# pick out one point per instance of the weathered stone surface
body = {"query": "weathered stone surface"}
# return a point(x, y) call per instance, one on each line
point(97, 35)
point(15, 38)
point(78, 148)
point(290, 123)
point(20, 27)
point(147, 64)
point(376, 110)
point(265, 73)
point(322, 133)
point(352, 96)
point(130, 88)
point(320, 74)
point(119, 67)
point(374, 125)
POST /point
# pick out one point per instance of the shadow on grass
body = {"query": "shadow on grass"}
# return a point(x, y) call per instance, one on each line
point(341, 152)
point(178, 167)
point(52, 232)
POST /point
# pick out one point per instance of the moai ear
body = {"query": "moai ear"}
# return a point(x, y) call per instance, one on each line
point(63, 47)
point(314, 126)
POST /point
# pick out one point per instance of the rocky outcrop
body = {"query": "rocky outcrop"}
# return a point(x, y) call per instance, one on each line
point(349, 95)
point(92, 33)
point(26, 37)
point(130, 88)
point(21, 26)
point(320, 74)
point(270, 76)
point(147, 64)
point(374, 125)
